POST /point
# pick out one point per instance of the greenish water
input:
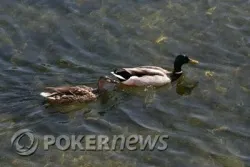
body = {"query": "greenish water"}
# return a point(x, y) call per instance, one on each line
point(52, 43)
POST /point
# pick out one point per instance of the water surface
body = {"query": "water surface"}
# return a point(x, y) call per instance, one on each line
point(52, 43)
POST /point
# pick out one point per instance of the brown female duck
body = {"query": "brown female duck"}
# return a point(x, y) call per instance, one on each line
point(79, 94)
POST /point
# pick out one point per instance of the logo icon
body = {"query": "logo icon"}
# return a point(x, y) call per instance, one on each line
point(24, 149)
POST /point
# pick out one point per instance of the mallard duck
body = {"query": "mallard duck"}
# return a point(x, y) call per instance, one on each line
point(80, 94)
point(152, 75)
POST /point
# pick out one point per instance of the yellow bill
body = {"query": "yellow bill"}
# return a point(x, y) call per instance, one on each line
point(193, 61)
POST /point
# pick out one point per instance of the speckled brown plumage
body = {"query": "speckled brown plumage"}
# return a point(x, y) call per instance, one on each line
point(75, 94)
point(67, 94)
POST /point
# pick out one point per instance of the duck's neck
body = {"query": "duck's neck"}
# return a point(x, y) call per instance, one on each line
point(177, 72)
point(177, 69)
point(100, 87)
point(96, 91)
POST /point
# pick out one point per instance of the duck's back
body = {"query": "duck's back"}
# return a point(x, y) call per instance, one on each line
point(69, 94)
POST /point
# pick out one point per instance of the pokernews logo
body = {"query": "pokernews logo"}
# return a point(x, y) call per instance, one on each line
point(85, 142)
point(24, 149)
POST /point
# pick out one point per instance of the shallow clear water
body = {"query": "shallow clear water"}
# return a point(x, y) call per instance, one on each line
point(52, 43)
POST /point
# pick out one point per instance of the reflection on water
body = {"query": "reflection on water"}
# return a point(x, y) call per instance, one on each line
point(53, 43)
point(185, 86)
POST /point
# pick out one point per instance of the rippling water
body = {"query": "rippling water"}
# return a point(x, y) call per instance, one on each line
point(52, 43)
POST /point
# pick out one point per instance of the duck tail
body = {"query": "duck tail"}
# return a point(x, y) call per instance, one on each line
point(118, 76)
point(45, 94)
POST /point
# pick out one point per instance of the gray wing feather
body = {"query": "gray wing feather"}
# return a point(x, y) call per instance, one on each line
point(147, 70)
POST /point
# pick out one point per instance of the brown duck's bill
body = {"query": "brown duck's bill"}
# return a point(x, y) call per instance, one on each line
point(192, 61)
